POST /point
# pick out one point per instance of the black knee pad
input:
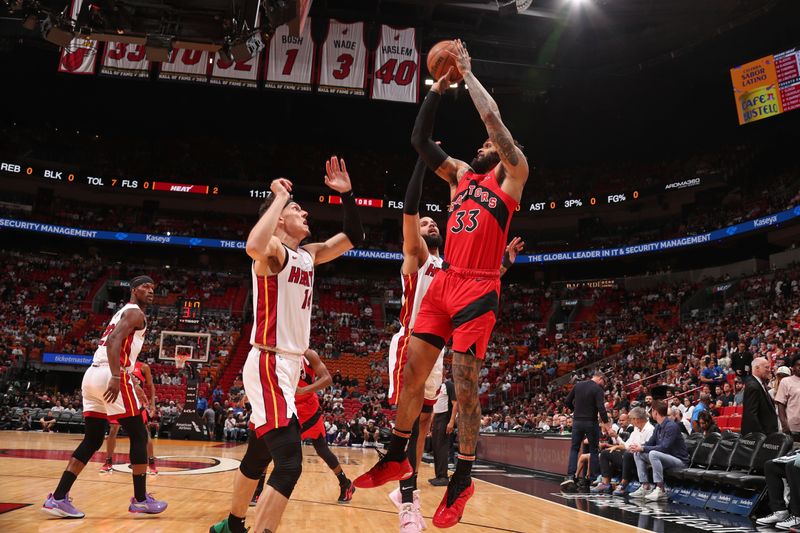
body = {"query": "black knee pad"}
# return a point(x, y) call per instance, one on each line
point(256, 458)
point(137, 433)
point(287, 456)
point(325, 453)
point(92, 439)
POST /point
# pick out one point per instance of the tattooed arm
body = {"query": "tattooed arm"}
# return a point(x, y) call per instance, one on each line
point(514, 162)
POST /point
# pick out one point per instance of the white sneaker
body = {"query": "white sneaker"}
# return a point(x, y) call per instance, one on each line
point(789, 523)
point(657, 495)
point(641, 492)
point(397, 500)
point(408, 519)
point(774, 518)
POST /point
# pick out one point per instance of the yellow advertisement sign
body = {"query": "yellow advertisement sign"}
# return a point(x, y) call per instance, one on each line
point(755, 86)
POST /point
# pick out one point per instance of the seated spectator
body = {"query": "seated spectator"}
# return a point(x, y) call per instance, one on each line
point(356, 429)
point(618, 459)
point(48, 421)
point(775, 471)
point(676, 415)
point(342, 437)
point(371, 434)
point(701, 406)
point(738, 398)
point(230, 426)
point(664, 450)
point(728, 398)
point(24, 421)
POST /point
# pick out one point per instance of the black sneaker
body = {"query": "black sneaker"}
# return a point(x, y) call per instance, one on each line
point(346, 492)
point(439, 481)
point(568, 485)
point(583, 485)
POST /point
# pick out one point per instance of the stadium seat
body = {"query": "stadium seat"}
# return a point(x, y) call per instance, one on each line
point(774, 445)
point(742, 458)
point(63, 420)
point(692, 441)
point(624, 435)
point(700, 459)
point(720, 460)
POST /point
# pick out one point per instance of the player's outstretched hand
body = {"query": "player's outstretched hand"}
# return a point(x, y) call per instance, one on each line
point(514, 247)
point(463, 61)
point(112, 390)
point(443, 83)
point(280, 186)
point(336, 176)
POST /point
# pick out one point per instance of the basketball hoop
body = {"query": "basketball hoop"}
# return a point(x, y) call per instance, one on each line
point(180, 360)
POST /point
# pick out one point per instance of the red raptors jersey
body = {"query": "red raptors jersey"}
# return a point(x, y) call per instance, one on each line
point(307, 404)
point(477, 229)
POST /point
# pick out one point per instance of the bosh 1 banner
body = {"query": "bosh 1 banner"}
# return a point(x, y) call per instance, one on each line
point(79, 56)
point(343, 66)
point(290, 60)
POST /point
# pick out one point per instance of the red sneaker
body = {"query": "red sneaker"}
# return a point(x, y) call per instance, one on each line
point(384, 472)
point(449, 516)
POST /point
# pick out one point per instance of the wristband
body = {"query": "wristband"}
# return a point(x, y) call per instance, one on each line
point(507, 261)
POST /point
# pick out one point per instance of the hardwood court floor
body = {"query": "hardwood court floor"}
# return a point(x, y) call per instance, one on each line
point(31, 464)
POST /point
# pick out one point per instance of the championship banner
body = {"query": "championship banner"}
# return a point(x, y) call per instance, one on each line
point(79, 56)
point(290, 60)
point(343, 65)
point(125, 60)
point(755, 86)
point(186, 65)
point(396, 68)
point(236, 73)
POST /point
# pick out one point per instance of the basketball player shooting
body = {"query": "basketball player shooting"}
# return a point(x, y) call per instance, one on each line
point(283, 279)
point(462, 301)
point(108, 393)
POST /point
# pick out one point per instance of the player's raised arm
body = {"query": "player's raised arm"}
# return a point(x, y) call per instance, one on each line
point(337, 178)
point(262, 244)
point(320, 370)
point(131, 320)
point(512, 157)
point(415, 251)
point(446, 167)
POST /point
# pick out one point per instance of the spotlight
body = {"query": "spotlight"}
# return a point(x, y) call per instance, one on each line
point(158, 47)
point(246, 46)
point(509, 8)
point(57, 30)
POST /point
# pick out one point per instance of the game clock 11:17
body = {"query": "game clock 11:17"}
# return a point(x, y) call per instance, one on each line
point(259, 194)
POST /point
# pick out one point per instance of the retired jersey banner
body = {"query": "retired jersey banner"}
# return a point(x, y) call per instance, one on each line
point(343, 64)
point(186, 65)
point(755, 86)
point(236, 73)
point(79, 56)
point(125, 60)
point(396, 74)
point(290, 60)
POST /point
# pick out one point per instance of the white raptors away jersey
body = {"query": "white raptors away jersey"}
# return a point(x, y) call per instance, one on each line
point(131, 346)
point(282, 305)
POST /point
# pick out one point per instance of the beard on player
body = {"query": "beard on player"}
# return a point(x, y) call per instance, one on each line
point(484, 163)
point(434, 242)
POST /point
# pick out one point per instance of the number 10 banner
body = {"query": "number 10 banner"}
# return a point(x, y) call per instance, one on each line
point(290, 60)
point(396, 75)
point(343, 66)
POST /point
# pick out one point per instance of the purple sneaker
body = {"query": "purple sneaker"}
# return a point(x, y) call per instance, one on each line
point(149, 506)
point(61, 508)
point(602, 488)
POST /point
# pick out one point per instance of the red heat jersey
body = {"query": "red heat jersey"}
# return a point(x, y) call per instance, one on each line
point(307, 404)
point(477, 228)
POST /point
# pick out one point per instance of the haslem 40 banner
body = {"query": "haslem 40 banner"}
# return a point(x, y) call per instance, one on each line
point(80, 55)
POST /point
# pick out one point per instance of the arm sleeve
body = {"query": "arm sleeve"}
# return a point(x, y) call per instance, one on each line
point(601, 408)
point(429, 151)
point(414, 189)
point(352, 221)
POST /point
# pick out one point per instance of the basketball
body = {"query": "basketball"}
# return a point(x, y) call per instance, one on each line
point(440, 58)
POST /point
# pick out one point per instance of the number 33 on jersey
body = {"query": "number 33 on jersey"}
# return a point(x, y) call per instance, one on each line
point(396, 75)
point(343, 66)
point(290, 60)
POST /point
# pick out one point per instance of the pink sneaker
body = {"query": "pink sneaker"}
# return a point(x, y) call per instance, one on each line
point(397, 500)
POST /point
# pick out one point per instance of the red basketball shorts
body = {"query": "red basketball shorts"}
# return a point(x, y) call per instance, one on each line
point(460, 305)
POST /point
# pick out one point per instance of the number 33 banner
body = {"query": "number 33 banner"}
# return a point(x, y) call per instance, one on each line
point(343, 69)
point(290, 60)
point(396, 74)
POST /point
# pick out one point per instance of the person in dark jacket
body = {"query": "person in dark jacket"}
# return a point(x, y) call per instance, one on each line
point(586, 401)
point(666, 449)
point(759, 410)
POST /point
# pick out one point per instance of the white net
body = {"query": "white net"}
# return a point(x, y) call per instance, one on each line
point(185, 346)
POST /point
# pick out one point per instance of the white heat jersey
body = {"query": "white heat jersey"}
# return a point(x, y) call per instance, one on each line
point(131, 346)
point(414, 288)
point(282, 305)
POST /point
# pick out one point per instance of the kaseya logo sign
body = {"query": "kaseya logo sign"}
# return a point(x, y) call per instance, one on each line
point(179, 465)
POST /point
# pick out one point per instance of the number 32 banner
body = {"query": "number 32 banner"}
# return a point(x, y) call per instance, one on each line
point(290, 60)
point(343, 68)
point(396, 74)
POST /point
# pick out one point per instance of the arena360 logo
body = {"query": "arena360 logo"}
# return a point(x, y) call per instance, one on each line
point(186, 465)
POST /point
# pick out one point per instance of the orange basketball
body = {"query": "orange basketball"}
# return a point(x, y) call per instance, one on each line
point(440, 59)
